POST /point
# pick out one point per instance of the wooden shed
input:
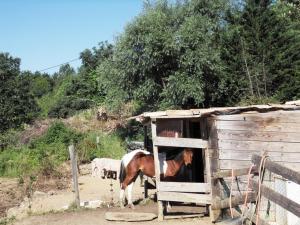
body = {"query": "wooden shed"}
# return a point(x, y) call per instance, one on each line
point(224, 139)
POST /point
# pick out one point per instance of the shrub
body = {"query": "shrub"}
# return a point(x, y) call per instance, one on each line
point(110, 145)
point(68, 106)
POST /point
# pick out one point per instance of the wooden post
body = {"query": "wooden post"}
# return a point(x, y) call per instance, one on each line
point(157, 171)
point(97, 141)
point(208, 129)
point(235, 201)
point(73, 159)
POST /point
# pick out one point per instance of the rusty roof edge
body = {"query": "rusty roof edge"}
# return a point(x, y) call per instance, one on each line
point(196, 113)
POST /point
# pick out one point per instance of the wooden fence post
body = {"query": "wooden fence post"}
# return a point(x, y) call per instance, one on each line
point(73, 159)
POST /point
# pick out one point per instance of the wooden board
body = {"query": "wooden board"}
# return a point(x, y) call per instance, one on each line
point(258, 126)
point(180, 142)
point(184, 197)
point(293, 157)
point(184, 187)
point(235, 164)
point(258, 136)
point(270, 117)
point(259, 145)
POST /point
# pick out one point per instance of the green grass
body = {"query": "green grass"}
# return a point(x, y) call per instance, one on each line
point(45, 154)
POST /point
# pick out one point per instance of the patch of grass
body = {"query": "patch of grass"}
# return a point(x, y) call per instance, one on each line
point(42, 155)
point(6, 221)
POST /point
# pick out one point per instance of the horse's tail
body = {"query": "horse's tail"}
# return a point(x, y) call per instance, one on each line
point(122, 173)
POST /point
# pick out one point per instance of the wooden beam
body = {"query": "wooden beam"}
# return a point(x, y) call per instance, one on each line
point(157, 171)
point(237, 172)
point(235, 201)
point(184, 197)
point(184, 187)
point(254, 135)
point(265, 145)
point(233, 154)
point(180, 142)
point(279, 199)
point(278, 169)
point(192, 215)
point(73, 159)
point(209, 132)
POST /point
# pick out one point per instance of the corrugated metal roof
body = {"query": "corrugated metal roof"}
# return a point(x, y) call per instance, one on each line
point(197, 113)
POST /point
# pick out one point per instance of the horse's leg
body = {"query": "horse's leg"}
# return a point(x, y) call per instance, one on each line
point(130, 186)
point(169, 207)
point(123, 187)
point(122, 195)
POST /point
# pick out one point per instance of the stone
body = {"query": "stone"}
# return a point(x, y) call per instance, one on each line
point(129, 216)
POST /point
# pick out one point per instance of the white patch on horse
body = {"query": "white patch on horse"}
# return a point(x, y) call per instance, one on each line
point(128, 157)
point(163, 166)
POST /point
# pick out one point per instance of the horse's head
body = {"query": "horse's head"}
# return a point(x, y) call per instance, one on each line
point(187, 156)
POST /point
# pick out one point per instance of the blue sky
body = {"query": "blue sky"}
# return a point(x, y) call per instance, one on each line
point(44, 33)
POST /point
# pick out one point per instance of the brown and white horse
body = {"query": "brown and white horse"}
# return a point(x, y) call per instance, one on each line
point(142, 161)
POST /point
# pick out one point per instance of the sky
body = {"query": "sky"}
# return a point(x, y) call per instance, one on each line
point(45, 33)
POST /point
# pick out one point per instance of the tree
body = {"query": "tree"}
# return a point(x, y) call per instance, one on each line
point(259, 50)
point(167, 57)
point(17, 104)
point(40, 84)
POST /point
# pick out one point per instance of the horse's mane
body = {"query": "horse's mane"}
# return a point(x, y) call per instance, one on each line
point(179, 156)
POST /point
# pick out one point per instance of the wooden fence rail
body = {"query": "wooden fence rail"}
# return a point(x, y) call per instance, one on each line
point(272, 195)
point(283, 171)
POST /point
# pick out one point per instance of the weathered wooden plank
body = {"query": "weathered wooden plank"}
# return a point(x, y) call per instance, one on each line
point(180, 142)
point(184, 197)
point(184, 187)
point(279, 199)
point(258, 126)
point(258, 136)
point(236, 172)
point(259, 145)
point(74, 167)
point(293, 157)
point(157, 170)
point(236, 200)
point(236, 164)
point(270, 117)
point(274, 167)
point(192, 215)
point(209, 132)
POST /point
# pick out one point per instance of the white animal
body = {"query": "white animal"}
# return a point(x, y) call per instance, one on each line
point(105, 167)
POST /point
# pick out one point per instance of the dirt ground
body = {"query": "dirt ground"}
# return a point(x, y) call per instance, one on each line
point(11, 194)
point(49, 207)
point(97, 216)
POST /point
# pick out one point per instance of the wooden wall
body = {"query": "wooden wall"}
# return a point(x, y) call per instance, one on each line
point(237, 137)
point(241, 135)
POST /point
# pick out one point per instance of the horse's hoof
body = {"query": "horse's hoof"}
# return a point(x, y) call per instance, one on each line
point(131, 206)
point(122, 206)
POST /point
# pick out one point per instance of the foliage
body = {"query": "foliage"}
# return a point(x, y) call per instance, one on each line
point(43, 155)
point(110, 146)
point(9, 138)
point(166, 57)
point(67, 106)
point(260, 45)
point(50, 100)
point(40, 84)
point(17, 104)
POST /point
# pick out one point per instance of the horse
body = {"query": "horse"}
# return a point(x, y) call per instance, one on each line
point(143, 161)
